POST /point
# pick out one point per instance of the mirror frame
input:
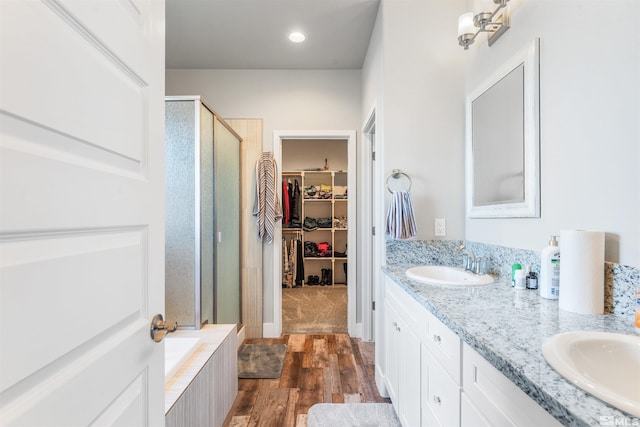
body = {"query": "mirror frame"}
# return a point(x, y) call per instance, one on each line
point(530, 207)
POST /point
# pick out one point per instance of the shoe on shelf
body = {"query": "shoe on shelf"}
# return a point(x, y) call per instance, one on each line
point(344, 267)
point(326, 277)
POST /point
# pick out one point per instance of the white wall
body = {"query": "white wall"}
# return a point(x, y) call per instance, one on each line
point(285, 100)
point(414, 76)
point(304, 154)
point(423, 75)
point(590, 115)
point(372, 84)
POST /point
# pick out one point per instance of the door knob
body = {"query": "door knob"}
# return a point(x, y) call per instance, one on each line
point(160, 328)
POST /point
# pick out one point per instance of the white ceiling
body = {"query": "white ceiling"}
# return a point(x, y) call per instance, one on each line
point(252, 34)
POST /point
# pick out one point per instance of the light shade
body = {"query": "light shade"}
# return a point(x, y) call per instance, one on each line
point(483, 6)
point(297, 37)
point(465, 24)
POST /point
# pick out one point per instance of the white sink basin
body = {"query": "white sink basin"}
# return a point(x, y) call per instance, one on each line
point(447, 276)
point(606, 365)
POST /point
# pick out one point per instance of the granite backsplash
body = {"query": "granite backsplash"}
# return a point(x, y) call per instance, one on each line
point(620, 280)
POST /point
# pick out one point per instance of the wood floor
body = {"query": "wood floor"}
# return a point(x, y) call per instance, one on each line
point(317, 368)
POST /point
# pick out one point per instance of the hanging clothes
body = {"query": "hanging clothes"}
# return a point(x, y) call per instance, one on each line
point(296, 204)
point(293, 263)
point(266, 206)
point(290, 200)
point(299, 262)
point(285, 263)
point(286, 210)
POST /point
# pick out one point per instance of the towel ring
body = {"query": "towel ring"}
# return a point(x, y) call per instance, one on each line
point(397, 174)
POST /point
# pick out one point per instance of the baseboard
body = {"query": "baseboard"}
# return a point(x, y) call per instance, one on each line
point(356, 331)
point(269, 331)
point(380, 382)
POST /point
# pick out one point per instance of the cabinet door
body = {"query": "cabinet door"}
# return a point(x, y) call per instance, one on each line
point(409, 391)
point(402, 358)
point(392, 353)
point(440, 394)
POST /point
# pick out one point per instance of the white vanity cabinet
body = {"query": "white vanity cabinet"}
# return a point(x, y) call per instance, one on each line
point(422, 362)
point(433, 379)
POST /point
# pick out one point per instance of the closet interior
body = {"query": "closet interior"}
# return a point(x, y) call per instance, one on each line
point(314, 223)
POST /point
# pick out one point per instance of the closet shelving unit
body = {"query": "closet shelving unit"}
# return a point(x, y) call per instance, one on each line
point(332, 207)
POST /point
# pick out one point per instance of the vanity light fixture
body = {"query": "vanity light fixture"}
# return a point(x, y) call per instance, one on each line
point(494, 23)
point(297, 37)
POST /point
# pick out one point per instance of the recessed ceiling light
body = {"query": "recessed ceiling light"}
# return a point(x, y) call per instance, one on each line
point(297, 37)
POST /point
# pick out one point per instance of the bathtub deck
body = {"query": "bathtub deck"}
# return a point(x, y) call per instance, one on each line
point(211, 336)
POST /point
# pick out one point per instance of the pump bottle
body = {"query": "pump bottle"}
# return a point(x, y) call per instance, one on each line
point(549, 283)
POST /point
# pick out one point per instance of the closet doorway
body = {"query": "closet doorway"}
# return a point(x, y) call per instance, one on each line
point(315, 252)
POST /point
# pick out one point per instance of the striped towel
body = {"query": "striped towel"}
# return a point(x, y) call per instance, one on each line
point(266, 206)
point(401, 223)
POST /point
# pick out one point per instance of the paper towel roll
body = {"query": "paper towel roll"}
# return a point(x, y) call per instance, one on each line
point(582, 271)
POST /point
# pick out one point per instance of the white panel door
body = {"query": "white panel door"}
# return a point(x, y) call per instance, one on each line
point(81, 211)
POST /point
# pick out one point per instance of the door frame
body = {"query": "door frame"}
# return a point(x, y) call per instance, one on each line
point(355, 329)
point(368, 249)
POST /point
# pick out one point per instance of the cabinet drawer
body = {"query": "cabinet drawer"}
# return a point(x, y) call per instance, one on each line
point(410, 311)
point(469, 414)
point(494, 396)
point(440, 394)
point(445, 345)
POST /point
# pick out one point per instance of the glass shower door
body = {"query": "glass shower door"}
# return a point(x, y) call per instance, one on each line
point(181, 254)
point(227, 224)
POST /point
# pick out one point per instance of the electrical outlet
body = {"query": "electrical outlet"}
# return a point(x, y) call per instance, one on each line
point(440, 227)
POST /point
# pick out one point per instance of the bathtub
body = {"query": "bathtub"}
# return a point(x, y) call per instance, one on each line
point(209, 362)
point(176, 352)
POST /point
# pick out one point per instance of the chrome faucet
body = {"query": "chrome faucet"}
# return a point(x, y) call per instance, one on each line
point(471, 263)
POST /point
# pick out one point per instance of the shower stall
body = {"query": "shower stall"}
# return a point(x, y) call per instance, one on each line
point(202, 232)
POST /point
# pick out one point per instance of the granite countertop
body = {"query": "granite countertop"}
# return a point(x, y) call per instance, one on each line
point(507, 327)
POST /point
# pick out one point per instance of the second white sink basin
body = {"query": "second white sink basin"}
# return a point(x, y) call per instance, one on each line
point(606, 365)
point(448, 276)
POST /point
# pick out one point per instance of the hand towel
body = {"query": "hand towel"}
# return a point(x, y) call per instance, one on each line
point(401, 223)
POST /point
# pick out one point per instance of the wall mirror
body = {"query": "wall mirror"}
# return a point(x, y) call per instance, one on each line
point(502, 140)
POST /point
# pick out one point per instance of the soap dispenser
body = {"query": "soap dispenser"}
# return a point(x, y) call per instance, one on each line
point(550, 270)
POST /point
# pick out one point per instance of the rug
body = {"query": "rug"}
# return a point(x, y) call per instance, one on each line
point(260, 360)
point(352, 415)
